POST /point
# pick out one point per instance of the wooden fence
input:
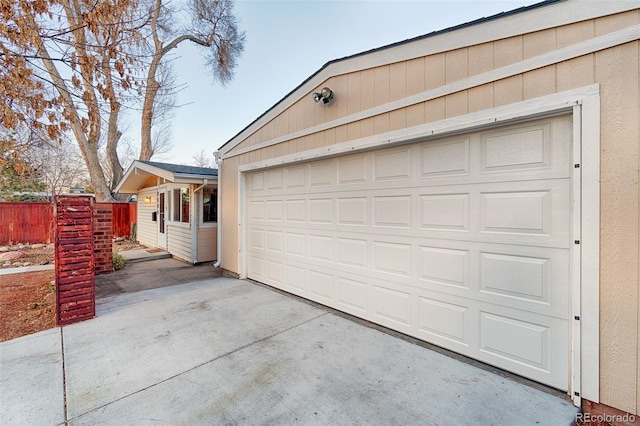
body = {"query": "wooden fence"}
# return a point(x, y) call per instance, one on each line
point(28, 222)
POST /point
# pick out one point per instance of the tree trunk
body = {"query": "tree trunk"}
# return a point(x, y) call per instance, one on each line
point(146, 146)
point(89, 151)
point(113, 137)
point(88, 146)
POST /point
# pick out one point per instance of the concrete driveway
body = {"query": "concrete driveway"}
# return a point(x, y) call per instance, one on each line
point(225, 351)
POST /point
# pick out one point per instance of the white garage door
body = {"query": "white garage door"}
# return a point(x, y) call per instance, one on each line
point(462, 242)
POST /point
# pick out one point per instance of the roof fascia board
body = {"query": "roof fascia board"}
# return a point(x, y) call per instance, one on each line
point(185, 178)
point(156, 171)
point(553, 15)
point(137, 165)
point(125, 177)
point(566, 53)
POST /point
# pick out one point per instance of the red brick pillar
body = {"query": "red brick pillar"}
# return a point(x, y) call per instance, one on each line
point(103, 237)
point(75, 268)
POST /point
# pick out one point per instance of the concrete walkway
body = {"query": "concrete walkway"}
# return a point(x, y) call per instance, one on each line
point(143, 254)
point(23, 269)
point(225, 351)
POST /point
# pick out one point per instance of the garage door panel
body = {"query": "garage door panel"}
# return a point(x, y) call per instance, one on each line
point(295, 177)
point(352, 252)
point(541, 352)
point(392, 164)
point(295, 244)
point(392, 257)
point(444, 158)
point(321, 173)
point(296, 277)
point(256, 239)
point(352, 169)
point(296, 210)
point(352, 211)
point(256, 211)
point(516, 340)
point(352, 295)
point(445, 267)
point(445, 323)
point(462, 242)
point(321, 248)
point(275, 272)
point(516, 148)
point(444, 212)
point(274, 179)
point(391, 305)
point(392, 211)
point(321, 210)
point(516, 212)
point(256, 182)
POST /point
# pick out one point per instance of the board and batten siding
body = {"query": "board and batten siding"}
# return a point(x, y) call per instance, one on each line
point(453, 83)
point(147, 230)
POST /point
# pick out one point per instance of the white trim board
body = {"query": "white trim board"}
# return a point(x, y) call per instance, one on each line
point(584, 104)
point(553, 15)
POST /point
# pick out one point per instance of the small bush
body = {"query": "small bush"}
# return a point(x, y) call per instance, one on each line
point(118, 261)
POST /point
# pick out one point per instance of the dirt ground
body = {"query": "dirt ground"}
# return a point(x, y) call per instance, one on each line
point(26, 304)
point(27, 299)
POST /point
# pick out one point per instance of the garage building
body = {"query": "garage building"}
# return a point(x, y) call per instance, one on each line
point(475, 188)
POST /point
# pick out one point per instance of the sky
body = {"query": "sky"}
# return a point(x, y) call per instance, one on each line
point(286, 42)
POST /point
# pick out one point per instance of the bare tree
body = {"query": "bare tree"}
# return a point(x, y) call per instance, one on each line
point(73, 65)
point(201, 159)
point(72, 58)
point(59, 165)
point(213, 27)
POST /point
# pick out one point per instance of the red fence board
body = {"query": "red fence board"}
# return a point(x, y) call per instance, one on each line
point(31, 223)
point(26, 223)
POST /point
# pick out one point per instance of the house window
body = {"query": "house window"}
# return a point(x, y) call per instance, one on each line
point(180, 205)
point(209, 205)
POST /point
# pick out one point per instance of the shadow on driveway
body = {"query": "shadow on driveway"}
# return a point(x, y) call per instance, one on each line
point(152, 274)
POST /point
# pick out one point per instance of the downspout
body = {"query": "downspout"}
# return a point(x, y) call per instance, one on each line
point(218, 160)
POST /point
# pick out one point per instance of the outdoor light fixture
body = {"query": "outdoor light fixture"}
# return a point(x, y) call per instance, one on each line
point(147, 199)
point(325, 95)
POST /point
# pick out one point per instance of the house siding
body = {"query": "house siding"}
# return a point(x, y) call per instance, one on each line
point(147, 230)
point(207, 244)
point(179, 241)
point(615, 69)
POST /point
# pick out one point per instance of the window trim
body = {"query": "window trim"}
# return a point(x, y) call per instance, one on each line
point(201, 222)
point(171, 190)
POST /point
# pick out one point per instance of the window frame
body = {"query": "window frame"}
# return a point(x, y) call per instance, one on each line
point(201, 222)
point(172, 190)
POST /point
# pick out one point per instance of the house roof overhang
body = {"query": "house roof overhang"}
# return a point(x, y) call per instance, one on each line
point(139, 173)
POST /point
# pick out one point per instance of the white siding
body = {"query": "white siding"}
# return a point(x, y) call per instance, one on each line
point(179, 241)
point(147, 229)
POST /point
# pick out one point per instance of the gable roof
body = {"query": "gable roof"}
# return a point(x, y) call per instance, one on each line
point(140, 171)
point(392, 45)
point(182, 169)
point(523, 20)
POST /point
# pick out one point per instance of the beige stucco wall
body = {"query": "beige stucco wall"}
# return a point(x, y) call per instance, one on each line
point(615, 69)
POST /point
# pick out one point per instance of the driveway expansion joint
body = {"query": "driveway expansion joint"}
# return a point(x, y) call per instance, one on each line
point(248, 345)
